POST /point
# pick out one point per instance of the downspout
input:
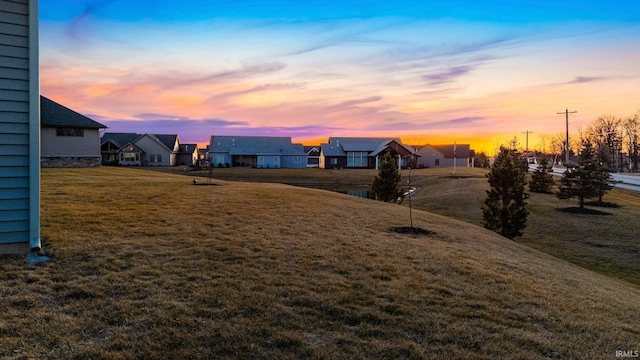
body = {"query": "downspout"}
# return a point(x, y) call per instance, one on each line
point(34, 129)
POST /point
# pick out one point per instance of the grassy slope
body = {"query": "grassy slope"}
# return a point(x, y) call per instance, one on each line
point(148, 266)
point(606, 244)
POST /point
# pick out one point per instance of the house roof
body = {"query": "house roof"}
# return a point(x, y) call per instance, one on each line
point(462, 150)
point(169, 140)
point(332, 150)
point(339, 146)
point(386, 144)
point(130, 147)
point(255, 145)
point(53, 114)
point(359, 144)
point(188, 148)
point(119, 139)
point(312, 149)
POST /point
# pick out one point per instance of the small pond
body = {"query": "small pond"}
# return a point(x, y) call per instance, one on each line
point(359, 192)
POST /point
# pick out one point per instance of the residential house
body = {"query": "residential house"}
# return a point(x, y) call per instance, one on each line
point(19, 127)
point(67, 139)
point(350, 152)
point(203, 156)
point(188, 154)
point(159, 150)
point(113, 143)
point(256, 151)
point(130, 149)
point(445, 155)
point(313, 156)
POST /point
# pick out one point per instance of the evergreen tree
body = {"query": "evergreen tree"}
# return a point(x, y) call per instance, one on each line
point(504, 208)
point(386, 185)
point(588, 180)
point(541, 178)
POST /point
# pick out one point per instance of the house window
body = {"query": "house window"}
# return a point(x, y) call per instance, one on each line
point(66, 131)
point(334, 161)
point(260, 160)
point(437, 161)
point(155, 158)
point(297, 160)
point(129, 156)
point(357, 158)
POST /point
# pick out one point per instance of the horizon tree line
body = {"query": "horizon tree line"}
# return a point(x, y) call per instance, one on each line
point(616, 141)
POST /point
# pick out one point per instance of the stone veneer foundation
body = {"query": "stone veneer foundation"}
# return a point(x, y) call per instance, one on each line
point(60, 162)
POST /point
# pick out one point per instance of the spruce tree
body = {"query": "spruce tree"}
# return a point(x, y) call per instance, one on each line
point(541, 178)
point(504, 208)
point(589, 179)
point(386, 185)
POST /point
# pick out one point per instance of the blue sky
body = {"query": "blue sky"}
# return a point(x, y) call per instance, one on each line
point(428, 71)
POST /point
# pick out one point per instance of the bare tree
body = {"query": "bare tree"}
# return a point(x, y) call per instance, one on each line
point(543, 142)
point(605, 133)
point(514, 143)
point(557, 146)
point(631, 126)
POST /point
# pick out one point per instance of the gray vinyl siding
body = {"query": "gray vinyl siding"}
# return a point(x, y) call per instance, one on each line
point(269, 161)
point(87, 145)
point(150, 146)
point(290, 161)
point(19, 123)
point(220, 158)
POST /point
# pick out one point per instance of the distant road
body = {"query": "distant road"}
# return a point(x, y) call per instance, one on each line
point(623, 181)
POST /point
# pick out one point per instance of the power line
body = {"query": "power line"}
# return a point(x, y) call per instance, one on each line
point(566, 144)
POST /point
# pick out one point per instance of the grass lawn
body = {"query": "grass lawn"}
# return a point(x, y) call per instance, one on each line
point(607, 244)
point(147, 266)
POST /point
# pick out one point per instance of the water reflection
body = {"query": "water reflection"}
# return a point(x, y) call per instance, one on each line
point(363, 193)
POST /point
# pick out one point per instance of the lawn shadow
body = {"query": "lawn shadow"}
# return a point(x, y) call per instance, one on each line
point(585, 211)
point(604, 204)
point(453, 176)
point(412, 230)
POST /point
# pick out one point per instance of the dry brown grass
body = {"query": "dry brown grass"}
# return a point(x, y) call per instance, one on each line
point(148, 266)
point(606, 244)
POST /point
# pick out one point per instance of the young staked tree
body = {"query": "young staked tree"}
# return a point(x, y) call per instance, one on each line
point(590, 179)
point(386, 185)
point(541, 178)
point(504, 208)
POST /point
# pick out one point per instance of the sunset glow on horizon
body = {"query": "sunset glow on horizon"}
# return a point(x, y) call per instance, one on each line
point(423, 71)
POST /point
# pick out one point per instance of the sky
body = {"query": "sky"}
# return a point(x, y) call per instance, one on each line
point(424, 71)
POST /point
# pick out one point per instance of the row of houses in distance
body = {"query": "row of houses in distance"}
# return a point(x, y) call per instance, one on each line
point(337, 153)
point(132, 149)
point(70, 139)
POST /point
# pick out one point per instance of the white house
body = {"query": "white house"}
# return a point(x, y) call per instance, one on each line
point(19, 127)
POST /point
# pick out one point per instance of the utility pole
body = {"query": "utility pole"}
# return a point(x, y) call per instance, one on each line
point(526, 151)
point(566, 144)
